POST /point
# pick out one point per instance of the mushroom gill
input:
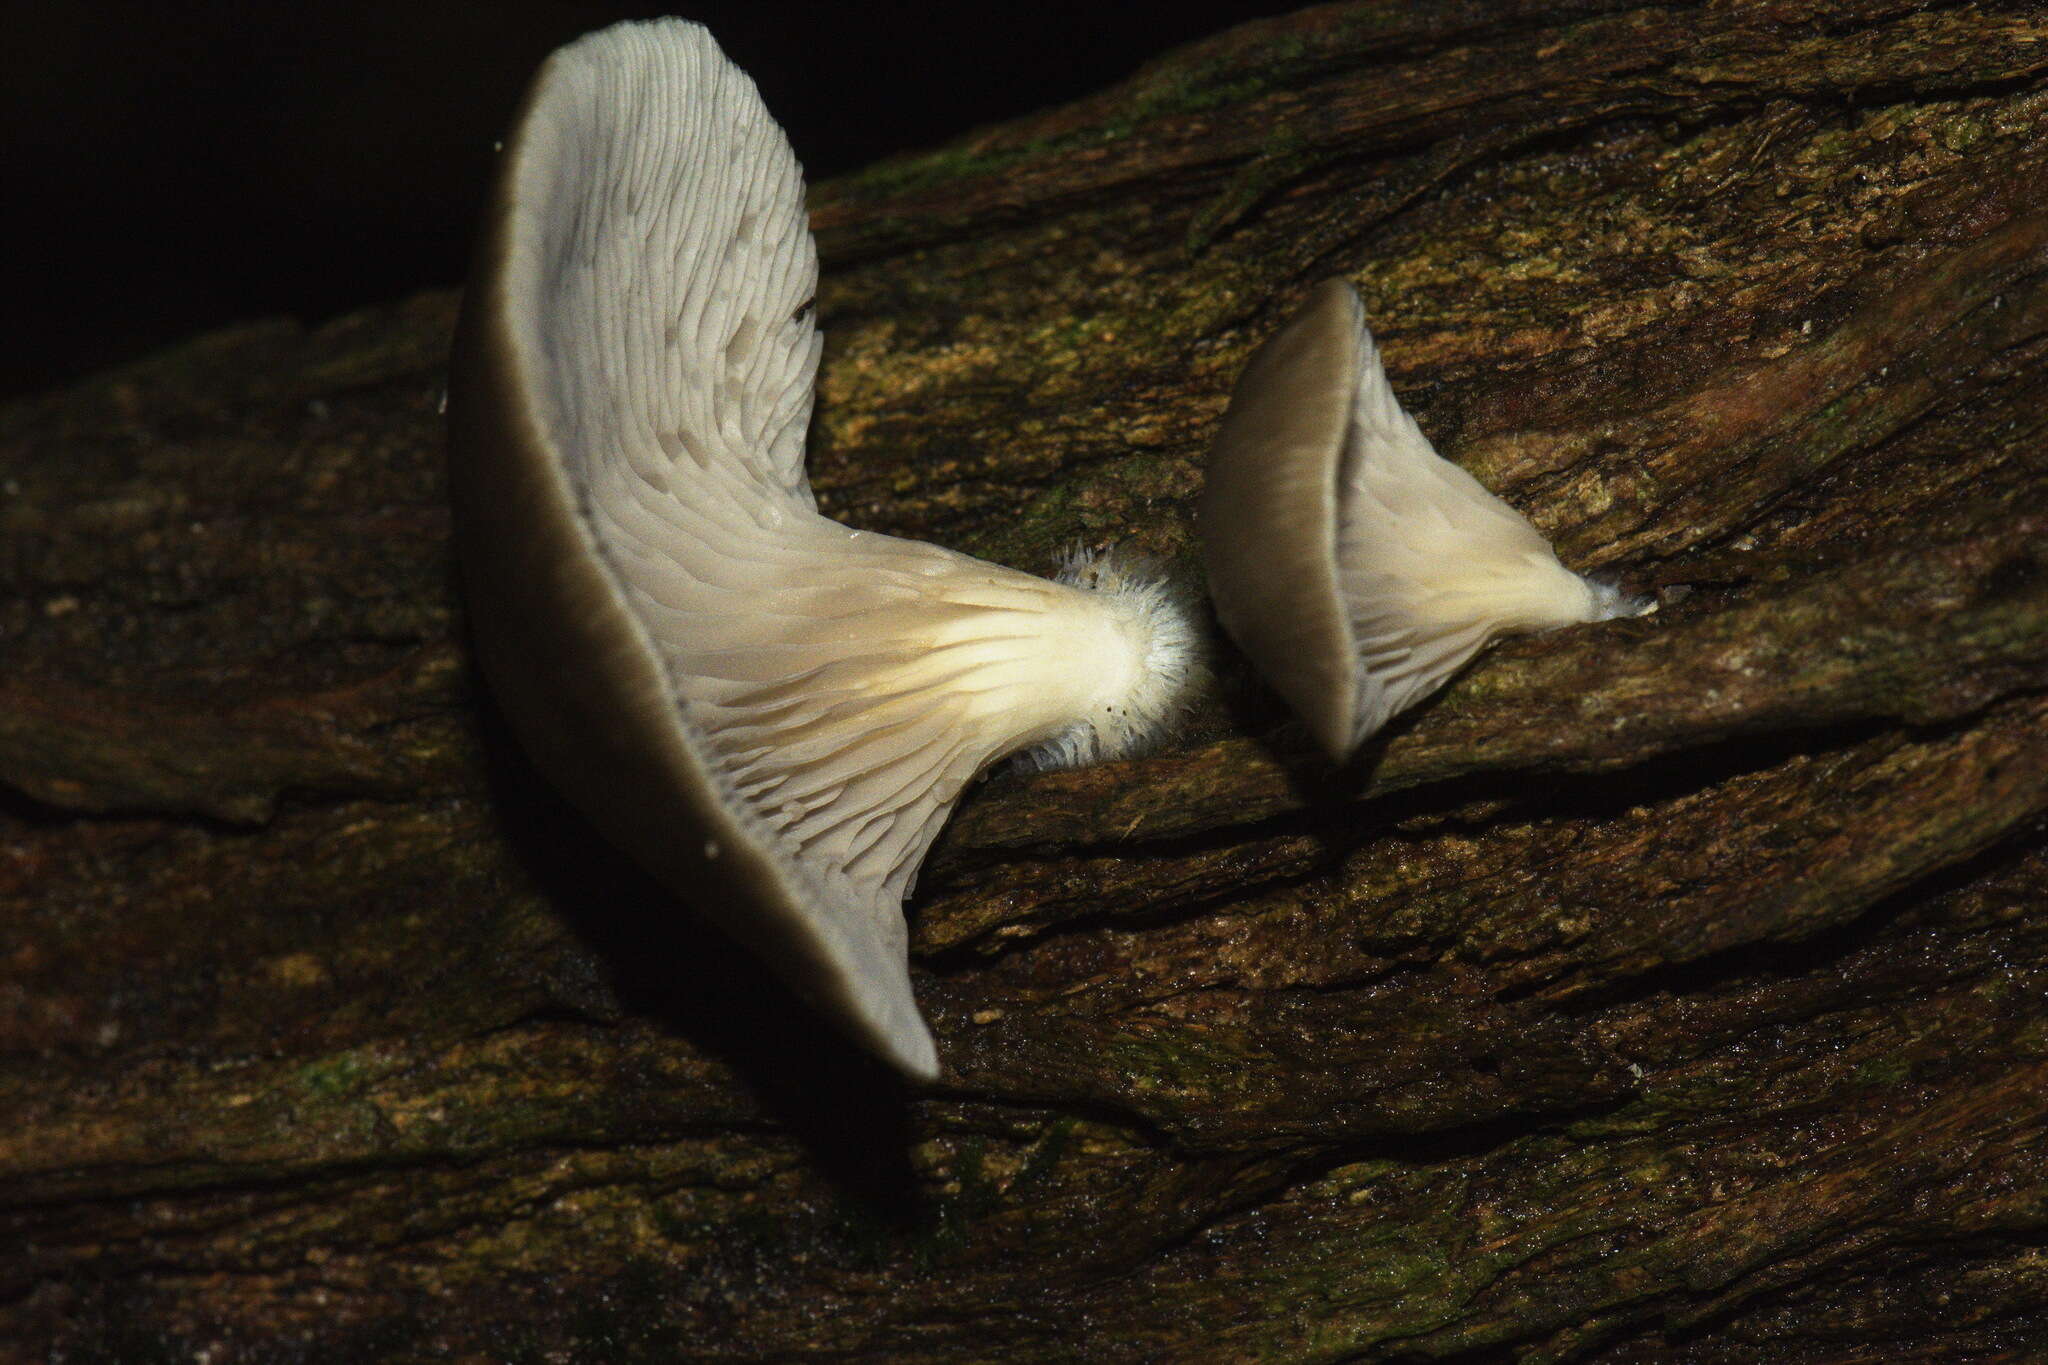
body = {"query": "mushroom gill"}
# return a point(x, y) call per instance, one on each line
point(1356, 567)
point(771, 711)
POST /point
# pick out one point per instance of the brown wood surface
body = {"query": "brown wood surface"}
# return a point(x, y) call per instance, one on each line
point(1669, 990)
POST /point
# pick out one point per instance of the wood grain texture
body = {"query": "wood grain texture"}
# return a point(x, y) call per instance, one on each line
point(1668, 990)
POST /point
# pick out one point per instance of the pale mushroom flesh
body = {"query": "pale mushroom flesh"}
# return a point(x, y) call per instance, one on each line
point(1356, 567)
point(773, 712)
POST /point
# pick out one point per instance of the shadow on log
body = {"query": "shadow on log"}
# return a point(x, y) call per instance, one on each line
point(1669, 990)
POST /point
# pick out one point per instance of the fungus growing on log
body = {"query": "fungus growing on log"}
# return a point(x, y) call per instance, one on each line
point(1356, 567)
point(772, 712)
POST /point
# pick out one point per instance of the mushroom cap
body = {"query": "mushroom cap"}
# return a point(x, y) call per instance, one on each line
point(772, 712)
point(1356, 567)
point(573, 665)
point(1268, 515)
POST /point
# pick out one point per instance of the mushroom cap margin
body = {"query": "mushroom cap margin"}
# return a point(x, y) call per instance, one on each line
point(585, 689)
point(1269, 511)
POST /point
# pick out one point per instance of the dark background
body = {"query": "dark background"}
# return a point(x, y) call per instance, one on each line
point(179, 165)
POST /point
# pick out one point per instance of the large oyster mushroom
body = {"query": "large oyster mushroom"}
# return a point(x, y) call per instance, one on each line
point(772, 712)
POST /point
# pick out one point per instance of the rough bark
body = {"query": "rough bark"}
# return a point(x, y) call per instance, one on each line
point(1669, 990)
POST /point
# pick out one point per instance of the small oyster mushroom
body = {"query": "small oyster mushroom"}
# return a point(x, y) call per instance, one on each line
point(772, 712)
point(1355, 566)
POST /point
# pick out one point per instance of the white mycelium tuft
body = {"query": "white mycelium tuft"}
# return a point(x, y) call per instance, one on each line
point(1146, 669)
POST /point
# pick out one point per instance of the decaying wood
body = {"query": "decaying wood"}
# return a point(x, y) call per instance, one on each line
point(1668, 990)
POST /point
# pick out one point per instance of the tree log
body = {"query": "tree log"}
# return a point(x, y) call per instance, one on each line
point(1668, 990)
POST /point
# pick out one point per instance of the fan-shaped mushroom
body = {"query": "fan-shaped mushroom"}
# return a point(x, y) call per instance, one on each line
point(1355, 566)
point(772, 712)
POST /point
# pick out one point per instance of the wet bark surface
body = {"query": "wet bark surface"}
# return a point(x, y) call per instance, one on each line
point(1666, 990)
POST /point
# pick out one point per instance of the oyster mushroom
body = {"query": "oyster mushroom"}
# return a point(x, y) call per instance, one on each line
point(773, 712)
point(1356, 567)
